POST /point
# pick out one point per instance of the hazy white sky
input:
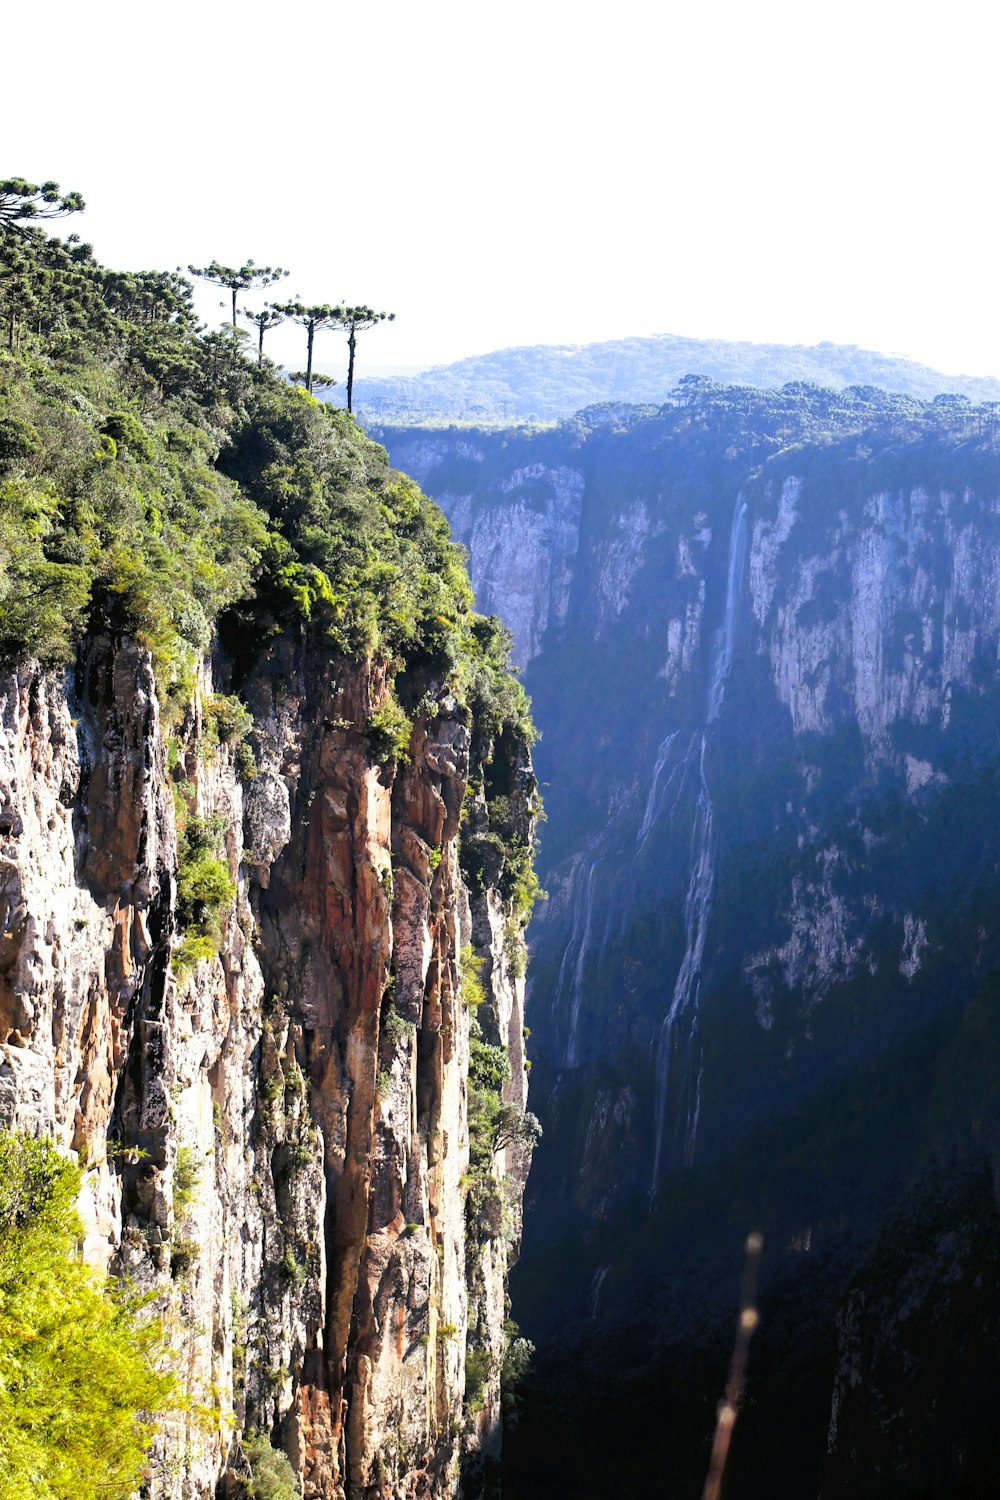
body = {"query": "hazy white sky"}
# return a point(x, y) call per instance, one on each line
point(540, 171)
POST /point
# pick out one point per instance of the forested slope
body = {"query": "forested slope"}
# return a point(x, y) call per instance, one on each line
point(253, 977)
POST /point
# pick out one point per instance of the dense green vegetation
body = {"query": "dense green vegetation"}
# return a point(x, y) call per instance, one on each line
point(547, 383)
point(81, 1376)
point(704, 431)
point(156, 480)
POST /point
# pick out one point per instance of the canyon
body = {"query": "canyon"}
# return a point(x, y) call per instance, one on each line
point(761, 634)
point(268, 803)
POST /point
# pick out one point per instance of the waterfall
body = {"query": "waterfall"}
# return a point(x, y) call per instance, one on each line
point(665, 794)
point(593, 1296)
point(684, 1003)
point(725, 639)
point(579, 890)
point(571, 970)
point(679, 1028)
point(653, 801)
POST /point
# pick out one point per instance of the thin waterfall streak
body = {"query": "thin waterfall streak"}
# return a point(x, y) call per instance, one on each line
point(678, 775)
point(609, 917)
point(663, 1047)
point(701, 885)
point(694, 1114)
point(651, 813)
point(572, 944)
point(725, 639)
point(697, 909)
point(672, 791)
point(697, 902)
point(576, 995)
point(560, 982)
point(665, 794)
point(595, 1289)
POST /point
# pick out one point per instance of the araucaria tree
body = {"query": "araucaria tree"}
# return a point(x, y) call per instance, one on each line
point(322, 315)
point(238, 279)
point(268, 317)
point(354, 319)
point(319, 382)
point(21, 202)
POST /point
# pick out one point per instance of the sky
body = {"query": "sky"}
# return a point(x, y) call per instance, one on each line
point(548, 172)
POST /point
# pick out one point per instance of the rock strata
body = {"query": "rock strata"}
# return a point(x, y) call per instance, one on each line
point(275, 1135)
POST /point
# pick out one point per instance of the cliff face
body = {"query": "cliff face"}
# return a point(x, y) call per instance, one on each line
point(761, 990)
point(917, 1348)
point(275, 1138)
point(804, 652)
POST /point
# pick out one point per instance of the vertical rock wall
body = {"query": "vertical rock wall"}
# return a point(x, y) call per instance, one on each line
point(275, 1139)
point(741, 745)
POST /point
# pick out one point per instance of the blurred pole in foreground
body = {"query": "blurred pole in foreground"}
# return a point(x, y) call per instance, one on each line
point(730, 1405)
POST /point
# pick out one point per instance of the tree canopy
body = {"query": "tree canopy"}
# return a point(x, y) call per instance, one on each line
point(312, 318)
point(355, 320)
point(22, 202)
point(155, 480)
point(237, 279)
point(81, 1365)
point(268, 317)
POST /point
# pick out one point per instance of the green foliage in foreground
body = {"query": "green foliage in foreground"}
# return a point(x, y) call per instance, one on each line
point(493, 1124)
point(78, 1383)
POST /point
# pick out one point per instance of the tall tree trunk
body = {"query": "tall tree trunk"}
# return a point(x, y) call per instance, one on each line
point(260, 343)
point(309, 357)
point(233, 290)
point(350, 371)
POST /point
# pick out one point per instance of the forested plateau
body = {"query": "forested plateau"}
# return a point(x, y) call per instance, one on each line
point(551, 382)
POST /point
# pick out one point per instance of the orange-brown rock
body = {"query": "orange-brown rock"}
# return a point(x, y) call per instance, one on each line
point(275, 1139)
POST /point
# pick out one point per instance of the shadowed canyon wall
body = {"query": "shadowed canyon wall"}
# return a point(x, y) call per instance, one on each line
point(762, 633)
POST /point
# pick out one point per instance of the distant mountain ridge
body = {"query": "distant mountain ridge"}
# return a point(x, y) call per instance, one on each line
point(546, 382)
